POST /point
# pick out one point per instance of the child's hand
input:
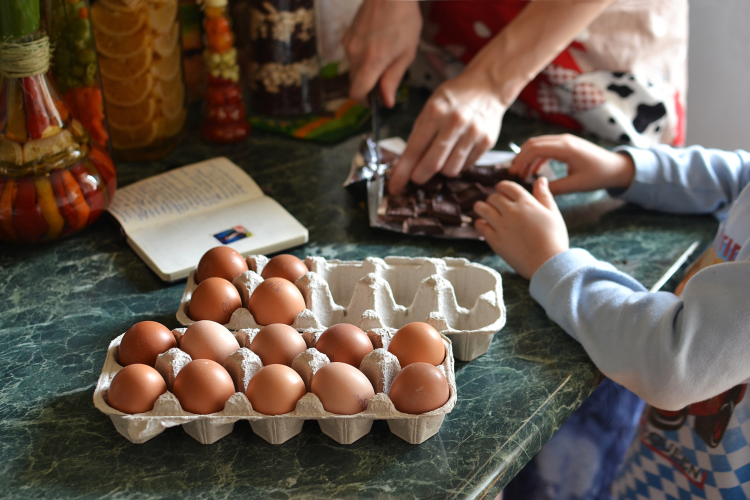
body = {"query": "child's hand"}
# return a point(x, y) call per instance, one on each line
point(590, 167)
point(524, 230)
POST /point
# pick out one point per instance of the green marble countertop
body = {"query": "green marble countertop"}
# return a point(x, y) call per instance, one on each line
point(62, 303)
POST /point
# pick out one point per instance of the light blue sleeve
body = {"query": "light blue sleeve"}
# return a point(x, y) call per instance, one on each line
point(689, 180)
point(670, 351)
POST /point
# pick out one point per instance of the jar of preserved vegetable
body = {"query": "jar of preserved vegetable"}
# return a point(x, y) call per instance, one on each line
point(285, 71)
point(140, 60)
point(54, 179)
point(224, 119)
point(74, 69)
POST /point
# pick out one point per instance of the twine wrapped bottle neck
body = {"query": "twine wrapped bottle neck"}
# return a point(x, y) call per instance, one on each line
point(22, 59)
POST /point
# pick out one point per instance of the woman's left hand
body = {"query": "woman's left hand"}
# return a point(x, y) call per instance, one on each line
point(459, 122)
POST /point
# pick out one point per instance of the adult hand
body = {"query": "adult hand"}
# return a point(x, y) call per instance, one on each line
point(381, 44)
point(524, 230)
point(459, 122)
point(590, 167)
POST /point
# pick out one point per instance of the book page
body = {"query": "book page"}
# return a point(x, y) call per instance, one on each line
point(173, 250)
point(182, 192)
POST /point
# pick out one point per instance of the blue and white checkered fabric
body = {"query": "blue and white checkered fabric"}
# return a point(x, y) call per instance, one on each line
point(678, 465)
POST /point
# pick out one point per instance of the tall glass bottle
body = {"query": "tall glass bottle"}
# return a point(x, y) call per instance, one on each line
point(138, 44)
point(224, 119)
point(54, 180)
point(285, 71)
point(74, 68)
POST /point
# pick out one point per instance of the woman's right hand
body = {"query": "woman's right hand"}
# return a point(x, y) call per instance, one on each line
point(590, 167)
point(381, 44)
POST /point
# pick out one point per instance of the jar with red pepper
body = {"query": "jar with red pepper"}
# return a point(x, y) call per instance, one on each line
point(54, 180)
point(224, 119)
point(74, 70)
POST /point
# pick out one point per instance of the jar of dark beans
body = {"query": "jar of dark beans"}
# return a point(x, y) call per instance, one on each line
point(285, 71)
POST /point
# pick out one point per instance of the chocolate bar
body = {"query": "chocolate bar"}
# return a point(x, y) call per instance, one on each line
point(423, 225)
point(468, 197)
point(400, 214)
point(445, 211)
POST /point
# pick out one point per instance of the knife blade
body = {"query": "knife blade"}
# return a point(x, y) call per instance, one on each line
point(677, 264)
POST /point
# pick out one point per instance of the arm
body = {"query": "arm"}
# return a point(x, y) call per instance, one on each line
point(462, 118)
point(670, 352)
point(690, 180)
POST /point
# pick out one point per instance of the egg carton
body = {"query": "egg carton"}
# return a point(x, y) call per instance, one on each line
point(380, 367)
point(460, 299)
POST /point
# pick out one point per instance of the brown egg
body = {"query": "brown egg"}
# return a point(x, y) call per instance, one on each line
point(208, 340)
point(276, 300)
point(203, 386)
point(344, 343)
point(417, 342)
point(278, 344)
point(215, 299)
point(135, 389)
point(275, 390)
point(220, 262)
point(143, 342)
point(342, 389)
point(284, 266)
point(419, 388)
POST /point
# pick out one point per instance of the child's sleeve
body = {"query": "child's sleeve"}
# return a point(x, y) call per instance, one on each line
point(670, 351)
point(689, 180)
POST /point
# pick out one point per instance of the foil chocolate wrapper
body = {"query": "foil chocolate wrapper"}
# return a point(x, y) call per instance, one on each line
point(442, 207)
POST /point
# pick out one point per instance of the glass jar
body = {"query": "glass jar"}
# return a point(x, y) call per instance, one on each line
point(138, 44)
point(285, 71)
point(74, 69)
point(224, 118)
point(54, 180)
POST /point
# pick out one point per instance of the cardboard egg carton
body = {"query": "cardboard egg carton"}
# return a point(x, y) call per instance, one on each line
point(460, 299)
point(380, 367)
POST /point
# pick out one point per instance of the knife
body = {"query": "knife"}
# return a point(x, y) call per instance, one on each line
point(375, 102)
point(677, 264)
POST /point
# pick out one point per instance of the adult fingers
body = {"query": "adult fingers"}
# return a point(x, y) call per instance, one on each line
point(364, 79)
point(435, 157)
point(420, 138)
point(392, 76)
point(480, 147)
point(460, 154)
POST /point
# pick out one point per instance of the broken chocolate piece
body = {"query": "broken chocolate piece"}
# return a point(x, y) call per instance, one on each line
point(457, 185)
point(487, 175)
point(400, 200)
point(422, 225)
point(400, 214)
point(445, 211)
point(468, 197)
point(503, 175)
point(433, 186)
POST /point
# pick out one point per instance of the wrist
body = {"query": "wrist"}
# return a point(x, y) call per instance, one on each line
point(625, 170)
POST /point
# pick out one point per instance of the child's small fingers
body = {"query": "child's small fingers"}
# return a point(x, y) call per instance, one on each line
point(491, 214)
point(565, 185)
point(543, 194)
point(511, 190)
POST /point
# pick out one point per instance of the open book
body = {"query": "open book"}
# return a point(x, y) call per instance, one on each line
point(173, 218)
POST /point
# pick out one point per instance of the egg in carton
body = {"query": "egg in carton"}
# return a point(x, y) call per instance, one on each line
point(460, 299)
point(379, 366)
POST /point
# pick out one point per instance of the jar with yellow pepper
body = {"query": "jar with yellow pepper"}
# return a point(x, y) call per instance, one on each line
point(54, 180)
